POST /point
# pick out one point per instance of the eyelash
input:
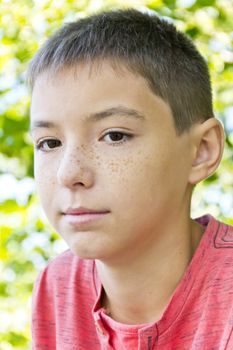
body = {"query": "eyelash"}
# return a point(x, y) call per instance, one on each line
point(127, 136)
point(40, 144)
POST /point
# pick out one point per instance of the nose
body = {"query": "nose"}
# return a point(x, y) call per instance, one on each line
point(75, 170)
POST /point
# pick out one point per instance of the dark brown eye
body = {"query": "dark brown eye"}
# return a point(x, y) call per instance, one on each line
point(53, 143)
point(116, 136)
point(46, 145)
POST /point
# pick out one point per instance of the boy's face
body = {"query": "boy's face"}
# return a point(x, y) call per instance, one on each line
point(108, 144)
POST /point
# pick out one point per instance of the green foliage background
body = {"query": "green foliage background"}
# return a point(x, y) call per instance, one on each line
point(26, 239)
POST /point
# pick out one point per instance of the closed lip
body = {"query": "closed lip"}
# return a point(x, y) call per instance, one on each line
point(84, 211)
point(83, 217)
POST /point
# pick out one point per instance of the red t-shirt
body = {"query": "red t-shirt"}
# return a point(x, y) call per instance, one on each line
point(67, 314)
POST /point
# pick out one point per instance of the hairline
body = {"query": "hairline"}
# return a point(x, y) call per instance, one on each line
point(139, 63)
point(118, 65)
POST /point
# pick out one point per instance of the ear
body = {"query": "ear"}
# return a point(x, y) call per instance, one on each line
point(208, 145)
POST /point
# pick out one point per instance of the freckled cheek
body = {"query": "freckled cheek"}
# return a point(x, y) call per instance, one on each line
point(121, 170)
point(136, 174)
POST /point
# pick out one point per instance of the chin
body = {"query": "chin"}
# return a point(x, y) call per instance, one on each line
point(87, 249)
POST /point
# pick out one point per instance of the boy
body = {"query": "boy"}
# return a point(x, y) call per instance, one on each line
point(123, 126)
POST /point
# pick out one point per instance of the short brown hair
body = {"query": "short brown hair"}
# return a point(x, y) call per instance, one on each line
point(145, 44)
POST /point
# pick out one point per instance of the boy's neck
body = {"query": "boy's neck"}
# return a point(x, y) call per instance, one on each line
point(140, 292)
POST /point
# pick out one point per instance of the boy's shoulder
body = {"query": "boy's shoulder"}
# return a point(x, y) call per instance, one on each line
point(63, 261)
point(64, 269)
point(218, 234)
point(224, 236)
point(66, 284)
point(214, 255)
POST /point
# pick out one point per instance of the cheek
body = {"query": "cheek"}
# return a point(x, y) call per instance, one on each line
point(129, 177)
point(146, 178)
point(45, 181)
point(118, 170)
point(45, 168)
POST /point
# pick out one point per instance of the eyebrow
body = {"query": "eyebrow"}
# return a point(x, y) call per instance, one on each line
point(109, 112)
point(42, 124)
point(119, 110)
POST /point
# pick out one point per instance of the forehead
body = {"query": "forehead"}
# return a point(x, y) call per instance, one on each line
point(84, 75)
point(86, 89)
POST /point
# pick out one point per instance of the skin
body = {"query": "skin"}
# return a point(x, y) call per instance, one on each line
point(144, 181)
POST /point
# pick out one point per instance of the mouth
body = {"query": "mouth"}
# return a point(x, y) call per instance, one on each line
point(82, 216)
